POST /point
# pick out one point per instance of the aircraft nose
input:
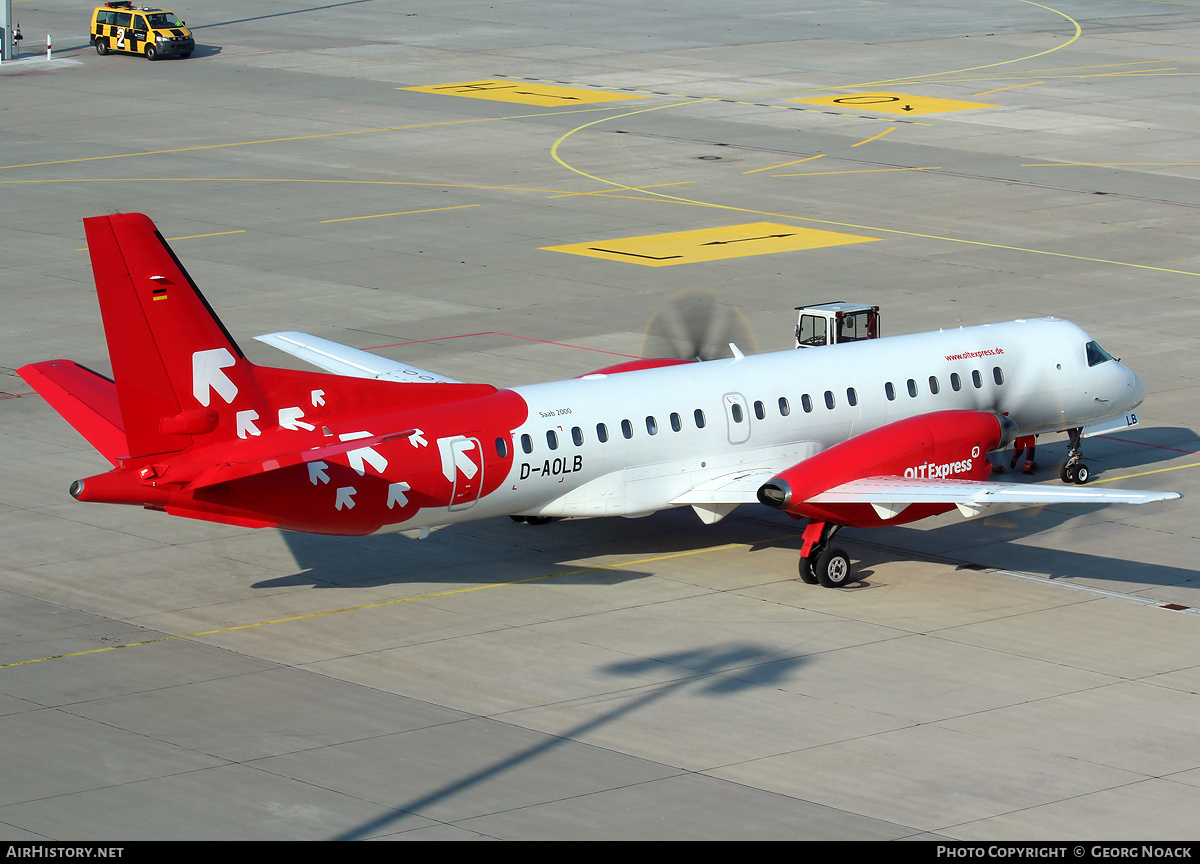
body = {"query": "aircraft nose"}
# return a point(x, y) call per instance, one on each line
point(1137, 389)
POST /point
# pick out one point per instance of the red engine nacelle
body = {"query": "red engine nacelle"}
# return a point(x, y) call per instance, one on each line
point(941, 445)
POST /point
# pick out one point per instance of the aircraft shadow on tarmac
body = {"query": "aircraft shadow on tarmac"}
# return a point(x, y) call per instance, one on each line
point(499, 550)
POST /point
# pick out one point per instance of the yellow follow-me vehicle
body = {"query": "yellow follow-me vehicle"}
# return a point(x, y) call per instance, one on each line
point(118, 25)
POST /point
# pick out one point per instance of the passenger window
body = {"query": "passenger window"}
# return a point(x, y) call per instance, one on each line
point(760, 411)
point(912, 388)
point(651, 425)
point(890, 391)
point(626, 428)
point(107, 17)
point(784, 408)
point(601, 433)
point(976, 378)
point(699, 416)
point(806, 403)
point(123, 19)
point(955, 382)
point(997, 374)
point(501, 447)
point(139, 23)
point(577, 436)
point(526, 443)
point(552, 439)
point(676, 422)
point(829, 399)
point(934, 387)
point(851, 396)
point(735, 410)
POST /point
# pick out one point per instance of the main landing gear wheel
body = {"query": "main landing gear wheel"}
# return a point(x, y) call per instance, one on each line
point(1076, 472)
point(807, 576)
point(833, 569)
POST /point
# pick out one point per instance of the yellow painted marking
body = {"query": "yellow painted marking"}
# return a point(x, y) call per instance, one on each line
point(859, 171)
point(873, 137)
point(524, 92)
point(633, 188)
point(404, 213)
point(892, 103)
point(383, 603)
point(189, 237)
point(709, 244)
point(785, 164)
point(1013, 87)
point(1145, 473)
point(299, 138)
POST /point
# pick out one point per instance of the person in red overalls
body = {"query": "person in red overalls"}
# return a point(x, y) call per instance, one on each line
point(1024, 444)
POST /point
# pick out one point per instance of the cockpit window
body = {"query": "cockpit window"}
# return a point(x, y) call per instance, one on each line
point(1096, 354)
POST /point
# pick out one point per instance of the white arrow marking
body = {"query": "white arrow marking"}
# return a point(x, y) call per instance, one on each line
point(245, 423)
point(396, 494)
point(207, 375)
point(316, 473)
point(416, 439)
point(454, 456)
point(364, 454)
point(345, 497)
point(318, 397)
point(289, 418)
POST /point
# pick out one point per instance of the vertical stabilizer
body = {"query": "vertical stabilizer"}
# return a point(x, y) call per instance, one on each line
point(178, 372)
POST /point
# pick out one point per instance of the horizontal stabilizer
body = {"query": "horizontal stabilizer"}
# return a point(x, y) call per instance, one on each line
point(227, 471)
point(85, 399)
point(350, 362)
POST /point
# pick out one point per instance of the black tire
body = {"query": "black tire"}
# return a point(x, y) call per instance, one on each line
point(539, 520)
point(833, 569)
point(807, 576)
point(151, 53)
point(101, 45)
point(1068, 473)
point(185, 55)
point(1082, 474)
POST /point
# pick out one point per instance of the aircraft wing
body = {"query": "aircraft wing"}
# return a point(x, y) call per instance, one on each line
point(890, 495)
point(735, 488)
point(351, 362)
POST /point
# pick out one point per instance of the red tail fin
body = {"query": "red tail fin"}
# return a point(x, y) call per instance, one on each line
point(176, 368)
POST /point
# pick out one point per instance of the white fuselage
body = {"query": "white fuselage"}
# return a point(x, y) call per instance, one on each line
point(630, 443)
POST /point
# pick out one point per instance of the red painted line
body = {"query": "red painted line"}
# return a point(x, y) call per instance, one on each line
point(1156, 446)
point(508, 335)
point(14, 395)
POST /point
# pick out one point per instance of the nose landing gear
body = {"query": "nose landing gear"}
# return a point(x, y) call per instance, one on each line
point(1074, 471)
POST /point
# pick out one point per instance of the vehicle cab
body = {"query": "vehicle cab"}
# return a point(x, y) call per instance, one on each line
point(835, 323)
point(118, 25)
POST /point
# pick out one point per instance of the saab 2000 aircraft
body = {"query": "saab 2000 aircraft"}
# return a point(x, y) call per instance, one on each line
point(878, 432)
